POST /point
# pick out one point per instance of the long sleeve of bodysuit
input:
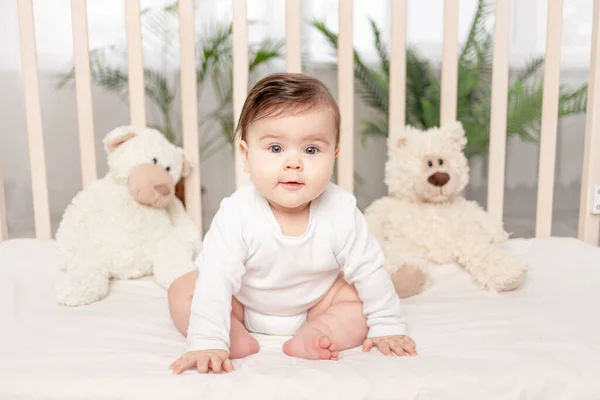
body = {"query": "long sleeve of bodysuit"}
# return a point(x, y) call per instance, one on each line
point(220, 268)
point(361, 259)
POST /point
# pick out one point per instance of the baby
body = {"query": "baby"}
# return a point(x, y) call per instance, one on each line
point(289, 253)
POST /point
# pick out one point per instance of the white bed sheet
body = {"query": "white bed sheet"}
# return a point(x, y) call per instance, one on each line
point(541, 342)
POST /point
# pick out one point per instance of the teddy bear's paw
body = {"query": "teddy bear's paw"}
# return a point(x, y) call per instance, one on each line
point(503, 271)
point(512, 281)
point(78, 289)
point(409, 281)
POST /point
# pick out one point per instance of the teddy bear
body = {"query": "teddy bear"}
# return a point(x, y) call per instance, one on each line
point(128, 224)
point(425, 221)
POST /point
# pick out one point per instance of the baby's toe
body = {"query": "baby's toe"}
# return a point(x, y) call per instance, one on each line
point(321, 346)
point(324, 342)
point(335, 354)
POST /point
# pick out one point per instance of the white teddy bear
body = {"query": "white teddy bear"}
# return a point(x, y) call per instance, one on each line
point(128, 224)
point(424, 221)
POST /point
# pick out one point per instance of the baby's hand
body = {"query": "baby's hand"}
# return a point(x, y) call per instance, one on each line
point(216, 360)
point(399, 344)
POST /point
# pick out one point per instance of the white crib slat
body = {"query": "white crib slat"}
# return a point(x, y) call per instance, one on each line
point(589, 224)
point(189, 108)
point(545, 195)
point(292, 36)
point(345, 162)
point(397, 106)
point(37, 159)
point(499, 101)
point(137, 103)
point(240, 78)
point(83, 86)
point(3, 225)
point(449, 63)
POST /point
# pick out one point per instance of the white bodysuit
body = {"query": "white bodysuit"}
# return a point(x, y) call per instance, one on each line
point(279, 278)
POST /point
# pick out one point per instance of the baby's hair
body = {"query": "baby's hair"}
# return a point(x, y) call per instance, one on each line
point(285, 93)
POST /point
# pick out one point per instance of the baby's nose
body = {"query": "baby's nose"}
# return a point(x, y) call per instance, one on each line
point(293, 164)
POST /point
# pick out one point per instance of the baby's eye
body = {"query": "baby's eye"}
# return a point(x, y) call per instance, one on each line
point(154, 161)
point(311, 150)
point(430, 163)
point(275, 148)
point(440, 161)
point(168, 169)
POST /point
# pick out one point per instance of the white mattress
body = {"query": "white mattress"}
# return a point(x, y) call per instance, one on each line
point(541, 342)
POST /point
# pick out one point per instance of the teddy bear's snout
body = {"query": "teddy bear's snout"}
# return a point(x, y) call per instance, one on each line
point(439, 179)
point(151, 185)
point(163, 189)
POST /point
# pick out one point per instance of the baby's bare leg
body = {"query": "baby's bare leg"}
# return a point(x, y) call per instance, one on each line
point(180, 303)
point(336, 323)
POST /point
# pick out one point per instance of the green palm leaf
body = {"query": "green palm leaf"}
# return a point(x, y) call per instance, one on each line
point(573, 102)
point(419, 79)
point(476, 33)
point(265, 52)
point(381, 48)
point(532, 67)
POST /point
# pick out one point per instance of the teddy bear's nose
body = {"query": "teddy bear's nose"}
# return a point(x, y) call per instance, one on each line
point(162, 189)
point(439, 179)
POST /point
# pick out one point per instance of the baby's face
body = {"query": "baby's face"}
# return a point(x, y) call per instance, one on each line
point(290, 158)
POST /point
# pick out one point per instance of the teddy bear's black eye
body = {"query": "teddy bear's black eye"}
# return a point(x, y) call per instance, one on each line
point(430, 163)
point(168, 169)
point(154, 161)
point(441, 161)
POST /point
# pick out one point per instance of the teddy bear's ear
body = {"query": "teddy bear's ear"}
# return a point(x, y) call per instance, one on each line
point(456, 134)
point(117, 137)
point(401, 141)
point(398, 139)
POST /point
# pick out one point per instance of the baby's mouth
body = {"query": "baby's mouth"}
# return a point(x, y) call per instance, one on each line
point(291, 184)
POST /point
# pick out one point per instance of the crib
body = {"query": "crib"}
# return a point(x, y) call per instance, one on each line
point(538, 342)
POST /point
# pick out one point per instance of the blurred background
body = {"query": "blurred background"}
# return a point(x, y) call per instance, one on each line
point(106, 21)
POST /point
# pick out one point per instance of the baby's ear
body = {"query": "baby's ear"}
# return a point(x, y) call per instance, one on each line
point(117, 137)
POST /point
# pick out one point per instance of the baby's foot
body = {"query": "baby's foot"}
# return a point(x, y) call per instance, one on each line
point(243, 344)
point(311, 344)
